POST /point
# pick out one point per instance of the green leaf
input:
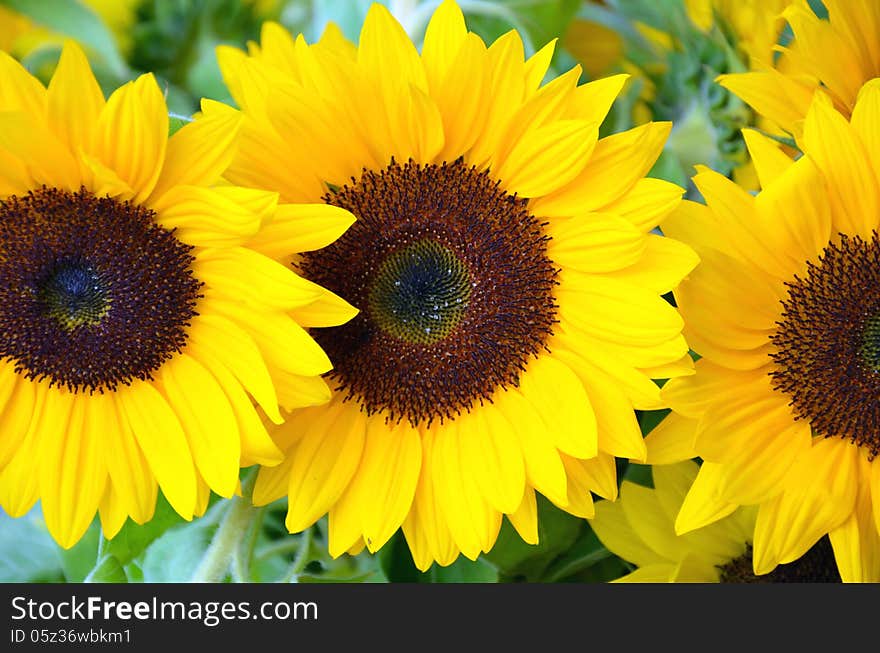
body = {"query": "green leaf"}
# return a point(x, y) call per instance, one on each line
point(79, 560)
point(28, 553)
point(465, 571)
point(108, 570)
point(640, 474)
point(518, 561)
point(585, 553)
point(133, 538)
point(649, 419)
point(77, 21)
point(173, 557)
point(395, 561)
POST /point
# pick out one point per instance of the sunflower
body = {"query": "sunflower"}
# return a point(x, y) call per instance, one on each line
point(783, 310)
point(755, 25)
point(638, 527)
point(510, 289)
point(131, 354)
point(20, 36)
point(675, 55)
point(837, 52)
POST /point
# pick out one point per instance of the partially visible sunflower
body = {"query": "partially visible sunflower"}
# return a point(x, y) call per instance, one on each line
point(19, 35)
point(638, 527)
point(838, 53)
point(785, 311)
point(510, 286)
point(754, 26)
point(138, 324)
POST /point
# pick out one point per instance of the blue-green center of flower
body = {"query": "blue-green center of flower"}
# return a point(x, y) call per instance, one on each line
point(420, 293)
point(454, 283)
point(74, 295)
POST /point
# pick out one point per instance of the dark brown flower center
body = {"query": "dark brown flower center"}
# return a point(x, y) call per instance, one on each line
point(93, 293)
point(816, 566)
point(827, 345)
point(454, 285)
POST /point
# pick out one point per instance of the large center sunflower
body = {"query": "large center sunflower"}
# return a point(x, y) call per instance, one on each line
point(784, 310)
point(509, 286)
point(131, 355)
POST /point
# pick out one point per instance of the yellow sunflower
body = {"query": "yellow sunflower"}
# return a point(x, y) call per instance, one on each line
point(837, 53)
point(509, 286)
point(784, 311)
point(638, 528)
point(19, 35)
point(755, 24)
point(138, 323)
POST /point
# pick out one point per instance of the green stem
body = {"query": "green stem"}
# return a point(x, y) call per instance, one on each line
point(239, 515)
point(283, 546)
point(241, 562)
point(302, 558)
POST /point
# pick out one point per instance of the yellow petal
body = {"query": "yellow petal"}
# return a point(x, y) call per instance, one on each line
point(463, 509)
point(74, 99)
point(617, 163)
point(543, 467)
point(207, 420)
point(856, 542)
point(291, 347)
point(820, 493)
point(671, 441)
point(595, 242)
point(559, 398)
point(647, 202)
point(835, 147)
point(133, 481)
point(256, 445)
point(199, 152)
point(387, 478)
point(613, 528)
point(460, 96)
point(205, 217)
point(444, 36)
point(386, 53)
point(243, 275)
point(233, 347)
point(767, 155)
point(491, 454)
point(664, 263)
point(425, 530)
point(525, 519)
point(864, 118)
point(548, 157)
point(163, 442)
point(326, 458)
point(703, 504)
point(45, 158)
point(132, 134)
point(20, 91)
point(112, 512)
point(301, 228)
point(72, 471)
point(17, 405)
point(770, 93)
